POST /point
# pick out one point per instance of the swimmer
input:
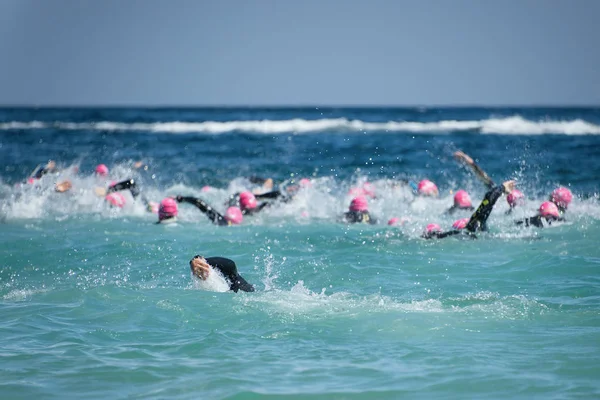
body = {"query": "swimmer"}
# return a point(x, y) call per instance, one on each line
point(288, 194)
point(462, 201)
point(427, 188)
point(266, 184)
point(547, 214)
point(562, 197)
point(247, 203)
point(101, 170)
point(233, 215)
point(38, 172)
point(358, 212)
point(200, 267)
point(167, 211)
point(478, 221)
point(514, 199)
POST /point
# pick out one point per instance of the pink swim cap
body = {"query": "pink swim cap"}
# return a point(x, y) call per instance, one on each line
point(102, 170)
point(247, 201)
point(515, 198)
point(393, 221)
point(359, 203)
point(427, 188)
point(167, 209)
point(561, 197)
point(31, 181)
point(549, 209)
point(206, 188)
point(305, 182)
point(234, 215)
point(460, 223)
point(462, 199)
point(431, 228)
point(368, 189)
point(116, 199)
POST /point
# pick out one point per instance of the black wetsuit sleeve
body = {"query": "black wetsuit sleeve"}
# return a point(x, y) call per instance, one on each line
point(441, 235)
point(123, 185)
point(213, 215)
point(480, 216)
point(275, 194)
point(538, 221)
point(229, 270)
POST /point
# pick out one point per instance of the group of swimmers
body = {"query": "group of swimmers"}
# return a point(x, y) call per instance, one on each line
point(247, 203)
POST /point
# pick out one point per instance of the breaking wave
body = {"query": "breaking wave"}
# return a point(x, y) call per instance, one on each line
point(511, 125)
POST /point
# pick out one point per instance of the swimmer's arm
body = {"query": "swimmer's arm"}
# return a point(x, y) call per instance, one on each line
point(269, 195)
point(480, 216)
point(481, 174)
point(123, 185)
point(213, 215)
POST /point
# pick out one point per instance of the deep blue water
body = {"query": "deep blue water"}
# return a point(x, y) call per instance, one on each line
point(99, 302)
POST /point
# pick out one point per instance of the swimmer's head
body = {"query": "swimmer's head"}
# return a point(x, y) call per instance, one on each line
point(561, 197)
point(234, 215)
point(549, 209)
point(247, 201)
point(359, 204)
point(393, 221)
point(460, 223)
point(432, 228)
point(462, 199)
point(427, 188)
point(101, 170)
point(115, 199)
point(305, 182)
point(515, 198)
point(167, 209)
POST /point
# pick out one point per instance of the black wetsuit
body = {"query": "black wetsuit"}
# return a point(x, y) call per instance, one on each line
point(130, 185)
point(234, 201)
point(42, 171)
point(539, 221)
point(357, 217)
point(228, 268)
point(124, 185)
point(478, 220)
point(213, 215)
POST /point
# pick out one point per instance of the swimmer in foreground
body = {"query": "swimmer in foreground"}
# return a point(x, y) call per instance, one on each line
point(478, 220)
point(200, 267)
point(358, 212)
point(514, 199)
point(233, 215)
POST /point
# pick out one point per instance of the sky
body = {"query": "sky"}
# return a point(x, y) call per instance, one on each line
point(303, 52)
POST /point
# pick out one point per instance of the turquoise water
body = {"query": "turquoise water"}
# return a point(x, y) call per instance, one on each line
point(99, 303)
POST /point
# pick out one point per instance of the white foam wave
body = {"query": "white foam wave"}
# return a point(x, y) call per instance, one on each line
point(509, 125)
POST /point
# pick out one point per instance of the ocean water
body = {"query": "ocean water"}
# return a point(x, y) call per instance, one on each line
point(99, 303)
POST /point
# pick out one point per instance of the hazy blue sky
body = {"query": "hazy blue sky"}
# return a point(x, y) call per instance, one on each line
point(279, 52)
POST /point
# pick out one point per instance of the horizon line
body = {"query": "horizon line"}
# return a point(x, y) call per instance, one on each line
point(288, 106)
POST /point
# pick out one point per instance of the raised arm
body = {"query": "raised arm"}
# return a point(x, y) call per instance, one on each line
point(468, 161)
